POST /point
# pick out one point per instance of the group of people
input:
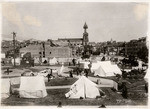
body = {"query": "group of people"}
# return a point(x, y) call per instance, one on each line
point(81, 71)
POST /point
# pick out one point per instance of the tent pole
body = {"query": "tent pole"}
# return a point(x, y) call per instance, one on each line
point(84, 90)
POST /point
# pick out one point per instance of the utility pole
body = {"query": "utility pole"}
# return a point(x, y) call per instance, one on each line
point(14, 35)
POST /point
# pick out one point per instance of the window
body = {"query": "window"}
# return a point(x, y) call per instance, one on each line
point(49, 52)
point(40, 53)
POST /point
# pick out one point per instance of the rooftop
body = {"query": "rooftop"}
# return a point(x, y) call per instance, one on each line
point(70, 39)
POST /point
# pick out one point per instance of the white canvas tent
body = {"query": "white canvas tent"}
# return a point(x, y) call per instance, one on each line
point(84, 88)
point(105, 68)
point(95, 66)
point(44, 60)
point(5, 88)
point(17, 61)
point(3, 55)
point(32, 87)
point(84, 64)
point(116, 69)
point(53, 61)
point(146, 76)
point(37, 60)
point(140, 64)
point(61, 70)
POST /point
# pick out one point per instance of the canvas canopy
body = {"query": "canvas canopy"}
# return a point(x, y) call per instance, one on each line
point(53, 61)
point(84, 88)
point(32, 87)
point(105, 68)
point(5, 88)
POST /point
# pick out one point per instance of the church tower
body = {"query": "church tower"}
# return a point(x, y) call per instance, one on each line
point(85, 35)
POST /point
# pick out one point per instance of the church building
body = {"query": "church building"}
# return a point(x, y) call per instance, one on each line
point(78, 41)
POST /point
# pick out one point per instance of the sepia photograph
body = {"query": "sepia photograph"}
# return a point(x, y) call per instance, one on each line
point(74, 54)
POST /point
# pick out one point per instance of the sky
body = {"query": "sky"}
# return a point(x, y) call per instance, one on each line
point(53, 20)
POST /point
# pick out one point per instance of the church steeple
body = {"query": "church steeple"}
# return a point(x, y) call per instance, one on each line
point(85, 26)
point(85, 35)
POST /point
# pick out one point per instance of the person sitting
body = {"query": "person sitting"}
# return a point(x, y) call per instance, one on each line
point(102, 106)
point(32, 74)
point(59, 104)
point(7, 71)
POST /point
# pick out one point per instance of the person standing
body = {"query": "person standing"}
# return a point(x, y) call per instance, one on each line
point(86, 72)
point(90, 65)
point(7, 71)
point(77, 70)
point(71, 75)
point(48, 77)
point(74, 62)
point(51, 72)
point(146, 87)
point(124, 90)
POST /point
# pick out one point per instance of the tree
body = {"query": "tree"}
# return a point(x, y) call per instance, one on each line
point(87, 51)
point(143, 54)
point(132, 60)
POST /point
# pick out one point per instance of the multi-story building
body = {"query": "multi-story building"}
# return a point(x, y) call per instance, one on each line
point(46, 51)
point(35, 50)
point(132, 47)
point(58, 52)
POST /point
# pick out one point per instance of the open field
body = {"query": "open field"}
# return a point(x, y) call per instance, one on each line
point(136, 95)
point(57, 95)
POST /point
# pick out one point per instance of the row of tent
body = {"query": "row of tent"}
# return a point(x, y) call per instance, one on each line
point(102, 68)
point(52, 61)
point(30, 86)
point(34, 87)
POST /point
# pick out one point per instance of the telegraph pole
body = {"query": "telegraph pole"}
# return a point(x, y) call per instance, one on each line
point(14, 35)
